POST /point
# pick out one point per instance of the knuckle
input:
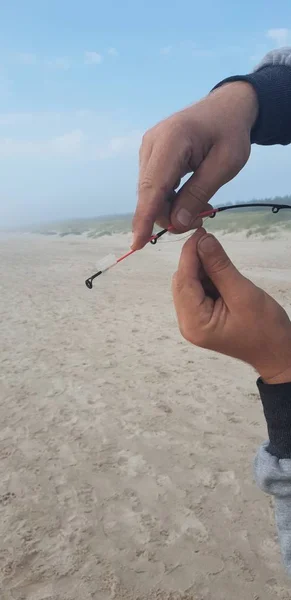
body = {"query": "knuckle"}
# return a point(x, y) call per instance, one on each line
point(174, 130)
point(236, 155)
point(193, 334)
point(220, 264)
point(148, 186)
point(197, 194)
point(147, 137)
point(162, 128)
point(146, 144)
point(177, 135)
point(145, 184)
point(174, 126)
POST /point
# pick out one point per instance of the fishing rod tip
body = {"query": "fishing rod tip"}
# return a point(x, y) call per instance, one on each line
point(89, 284)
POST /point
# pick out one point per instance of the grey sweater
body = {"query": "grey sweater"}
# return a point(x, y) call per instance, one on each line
point(272, 81)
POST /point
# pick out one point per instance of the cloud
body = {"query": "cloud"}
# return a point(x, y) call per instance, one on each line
point(93, 58)
point(75, 144)
point(31, 118)
point(26, 58)
point(5, 86)
point(166, 50)
point(191, 49)
point(41, 122)
point(60, 62)
point(279, 36)
point(256, 58)
point(120, 145)
point(200, 53)
point(68, 144)
point(8, 119)
point(113, 52)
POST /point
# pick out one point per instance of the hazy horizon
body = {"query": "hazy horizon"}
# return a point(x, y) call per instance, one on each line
point(71, 118)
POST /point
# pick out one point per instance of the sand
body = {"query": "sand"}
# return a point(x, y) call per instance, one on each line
point(126, 453)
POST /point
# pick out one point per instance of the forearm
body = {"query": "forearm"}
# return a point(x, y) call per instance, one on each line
point(271, 81)
point(273, 460)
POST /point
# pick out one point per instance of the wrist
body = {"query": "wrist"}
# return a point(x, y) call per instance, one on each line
point(283, 376)
point(242, 96)
point(276, 368)
point(273, 360)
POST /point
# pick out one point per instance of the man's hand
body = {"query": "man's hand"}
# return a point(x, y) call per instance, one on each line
point(210, 139)
point(221, 310)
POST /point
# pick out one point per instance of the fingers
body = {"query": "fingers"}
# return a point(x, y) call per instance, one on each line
point(189, 268)
point(163, 220)
point(157, 179)
point(162, 161)
point(167, 154)
point(215, 170)
point(220, 270)
point(188, 292)
point(206, 288)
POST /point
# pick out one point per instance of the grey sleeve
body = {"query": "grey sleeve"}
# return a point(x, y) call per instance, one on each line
point(273, 476)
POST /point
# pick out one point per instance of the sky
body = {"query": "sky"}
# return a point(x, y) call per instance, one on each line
point(80, 82)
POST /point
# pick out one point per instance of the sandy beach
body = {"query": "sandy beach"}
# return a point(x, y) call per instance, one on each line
point(126, 453)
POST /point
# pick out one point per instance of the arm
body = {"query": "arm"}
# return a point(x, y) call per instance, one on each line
point(221, 310)
point(273, 460)
point(212, 140)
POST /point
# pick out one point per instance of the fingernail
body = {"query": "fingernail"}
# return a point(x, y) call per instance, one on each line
point(184, 217)
point(208, 244)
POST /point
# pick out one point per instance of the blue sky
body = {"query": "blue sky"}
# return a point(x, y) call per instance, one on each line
point(81, 81)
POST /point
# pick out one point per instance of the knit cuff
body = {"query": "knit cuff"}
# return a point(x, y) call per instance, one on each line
point(276, 400)
point(272, 84)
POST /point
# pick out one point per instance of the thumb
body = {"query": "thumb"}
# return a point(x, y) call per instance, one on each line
point(218, 167)
point(219, 268)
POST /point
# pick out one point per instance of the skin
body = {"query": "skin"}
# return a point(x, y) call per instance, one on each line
point(221, 310)
point(217, 307)
point(211, 140)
